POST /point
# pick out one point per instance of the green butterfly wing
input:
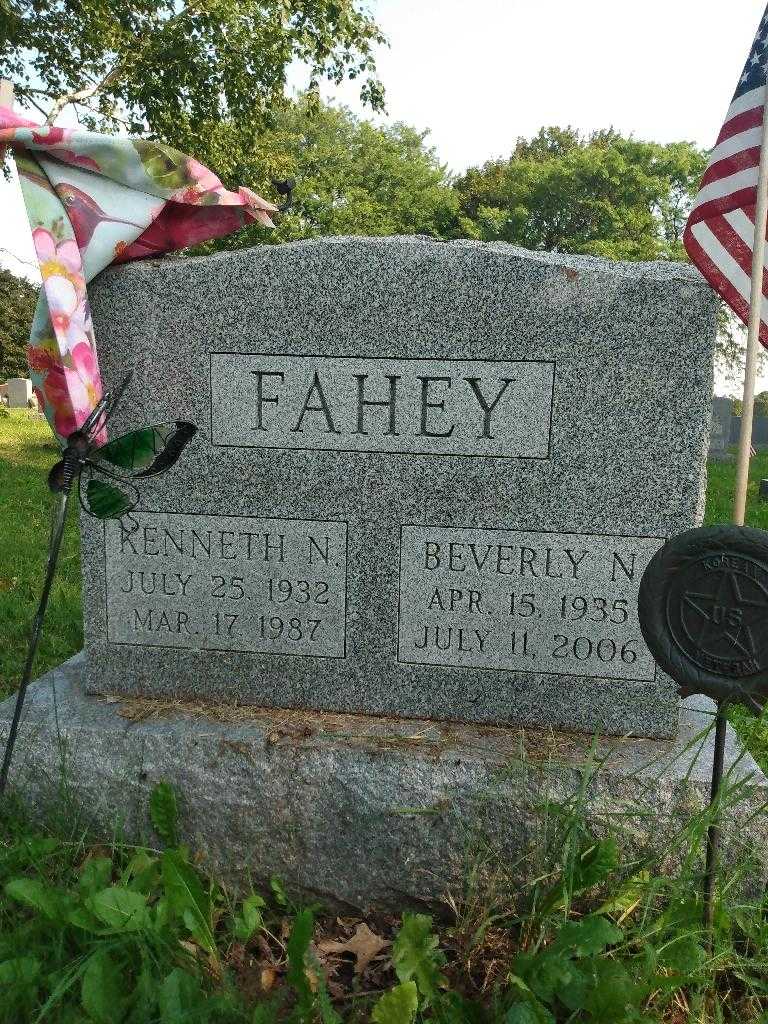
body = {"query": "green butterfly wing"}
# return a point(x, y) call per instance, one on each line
point(106, 500)
point(147, 451)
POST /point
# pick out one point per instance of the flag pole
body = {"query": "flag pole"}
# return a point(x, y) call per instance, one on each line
point(753, 327)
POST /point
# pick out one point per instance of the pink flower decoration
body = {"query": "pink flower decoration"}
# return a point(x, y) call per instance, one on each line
point(45, 244)
point(62, 353)
point(84, 362)
point(68, 312)
point(257, 206)
point(72, 393)
point(65, 255)
point(69, 399)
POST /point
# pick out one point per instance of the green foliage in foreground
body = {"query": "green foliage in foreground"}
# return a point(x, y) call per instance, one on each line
point(124, 934)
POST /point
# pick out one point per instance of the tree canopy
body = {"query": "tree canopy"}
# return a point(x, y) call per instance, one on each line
point(17, 301)
point(173, 69)
point(210, 78)
point(605, 195)
point(352, 177)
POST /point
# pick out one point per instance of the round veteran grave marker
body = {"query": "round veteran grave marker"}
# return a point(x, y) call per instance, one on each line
point(703, 610)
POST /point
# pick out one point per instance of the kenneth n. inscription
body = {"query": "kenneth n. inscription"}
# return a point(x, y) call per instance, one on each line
point(227, 583)
point(495, 408)
point(563, 604)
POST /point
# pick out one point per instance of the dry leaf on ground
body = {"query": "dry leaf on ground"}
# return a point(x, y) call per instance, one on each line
point(364, 945)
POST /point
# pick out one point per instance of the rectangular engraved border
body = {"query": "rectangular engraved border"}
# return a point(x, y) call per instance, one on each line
point(230, 650)
point(376, 451)
point(511, 671)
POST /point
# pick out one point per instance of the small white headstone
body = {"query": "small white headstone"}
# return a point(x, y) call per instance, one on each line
point(19, 392)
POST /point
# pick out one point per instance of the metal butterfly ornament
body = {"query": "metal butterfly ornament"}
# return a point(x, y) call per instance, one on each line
point(104, 473)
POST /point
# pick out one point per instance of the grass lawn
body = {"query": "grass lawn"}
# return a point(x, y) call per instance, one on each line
point(27, 452)
point(720, 492)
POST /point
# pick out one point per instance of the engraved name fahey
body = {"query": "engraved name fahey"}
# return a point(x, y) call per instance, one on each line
point(423, 405)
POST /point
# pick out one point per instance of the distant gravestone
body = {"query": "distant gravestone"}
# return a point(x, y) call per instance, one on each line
point(427, 480)
point(19, 391)
point(720, 435)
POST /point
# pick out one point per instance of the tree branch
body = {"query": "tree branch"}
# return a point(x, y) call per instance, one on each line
point(82, 94)
point(35, 104)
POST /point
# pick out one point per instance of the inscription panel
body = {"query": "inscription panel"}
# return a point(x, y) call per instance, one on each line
point(227, 583)
point(486, 407)
point(563, 604)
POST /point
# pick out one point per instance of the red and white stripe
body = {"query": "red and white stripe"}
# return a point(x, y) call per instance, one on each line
point(719, 234)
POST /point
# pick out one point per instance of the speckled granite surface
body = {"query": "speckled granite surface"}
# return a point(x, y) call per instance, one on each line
point(362, 811)
point(621, 455)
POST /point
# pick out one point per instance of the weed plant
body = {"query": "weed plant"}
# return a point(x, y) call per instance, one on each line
point(112, 932)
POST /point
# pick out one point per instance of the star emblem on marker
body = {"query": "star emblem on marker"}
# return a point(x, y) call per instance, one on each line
point(727, 616)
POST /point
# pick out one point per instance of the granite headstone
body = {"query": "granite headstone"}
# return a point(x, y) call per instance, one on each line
point(720, 436)
point(427, 480)
point(19, 390)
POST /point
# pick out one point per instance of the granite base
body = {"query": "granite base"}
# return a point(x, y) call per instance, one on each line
point(360, 811)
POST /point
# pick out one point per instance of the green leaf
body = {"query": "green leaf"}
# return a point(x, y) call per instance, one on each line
point(528, 1013)
point(548, 973)
point(683, 954)
point(187, 898)
point(327, 1013)
point(416, 955)
point(142, 873)
point(102, 991)
point(398, 1006)
point(296, 950)
point(163, 812)
point(613, 992)
point(573, 987)
point(266, 1012)
point(587, 937)
point(278, 891)
point(623, 899)
point(120, 908)
point(179, 997)
point(145, 995)
point(595, 864)
point(36, 894)
point(250, 918)
point(81, 917)
point(21, 970)
point(96, 874)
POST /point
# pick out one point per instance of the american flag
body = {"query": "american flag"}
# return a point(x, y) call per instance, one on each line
point(720, 230)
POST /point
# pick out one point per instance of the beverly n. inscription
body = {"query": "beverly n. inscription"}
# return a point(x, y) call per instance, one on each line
point(483, 407)
point(227, 583)
point(563, 604)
